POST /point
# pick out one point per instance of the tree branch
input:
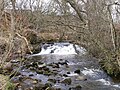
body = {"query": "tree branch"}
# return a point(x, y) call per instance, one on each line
point(76, 8)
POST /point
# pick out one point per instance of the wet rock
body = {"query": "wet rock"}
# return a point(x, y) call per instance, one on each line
point(52, 80)
point(47, 85)
point(66, 61)
point(40, 63)
point(81, 78)
point(50, 88)
point(40, 66)
point(67, 81)
point(55, 73)
point(55, 70)
point(21, 78)
point(50, 64)
point(31, 74)
point(61, 59)
point(34, 64)
point(46, 69)
point(35, 82)
point(39, 71)
point(45, 46)
point(65, 75)
point(58, 89)
point(78, 87)
point(66, 66)
point(39, 86)
point(62, 63)
point(15, 61)
point(31, 88)
point(47, 73)
point(27, 65)
point(68, 72)
point(32, 68)
point(77, 71)
point(19, 87)
point(55, 65)
point(39, 80)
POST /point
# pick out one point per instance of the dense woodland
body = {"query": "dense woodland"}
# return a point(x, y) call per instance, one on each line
point(93, 24)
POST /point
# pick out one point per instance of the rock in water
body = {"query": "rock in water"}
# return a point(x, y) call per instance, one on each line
point(77, 71)
point(52, 80)
point(81, 78)
point(78, 87)
point(67, 81)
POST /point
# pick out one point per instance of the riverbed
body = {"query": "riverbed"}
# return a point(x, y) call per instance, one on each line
point(61, 66)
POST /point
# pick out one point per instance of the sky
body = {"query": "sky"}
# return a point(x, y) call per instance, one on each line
point(32, 4)
point(27, 4)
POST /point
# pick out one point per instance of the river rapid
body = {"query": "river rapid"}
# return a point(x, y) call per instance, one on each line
point(62, 66)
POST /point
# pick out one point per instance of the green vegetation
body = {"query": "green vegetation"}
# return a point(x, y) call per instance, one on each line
point(5, 84)
point(9, 86)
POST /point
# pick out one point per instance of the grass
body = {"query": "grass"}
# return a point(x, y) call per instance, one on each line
point(9, 86)
point(5, 84)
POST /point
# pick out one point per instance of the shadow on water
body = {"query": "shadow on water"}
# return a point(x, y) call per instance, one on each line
point(62, 72)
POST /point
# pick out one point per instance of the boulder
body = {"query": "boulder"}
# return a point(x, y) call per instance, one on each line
point(67, 81)
point(77, 71)
point(81, 78)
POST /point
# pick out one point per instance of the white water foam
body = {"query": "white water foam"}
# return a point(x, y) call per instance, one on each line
point(118, 86)
point(106, 82)
point(61, 49)
point(72, 74)
point(80, 50)
point(92, 72)
point(95, 73)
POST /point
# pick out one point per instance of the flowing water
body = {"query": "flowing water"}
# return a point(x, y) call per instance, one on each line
point(63, 66)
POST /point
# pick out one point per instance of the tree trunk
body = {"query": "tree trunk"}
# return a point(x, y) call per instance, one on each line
point(76, 8)
point(114, 37)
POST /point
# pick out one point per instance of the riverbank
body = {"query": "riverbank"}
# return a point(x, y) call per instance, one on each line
point(3, 80)
point(5, 84)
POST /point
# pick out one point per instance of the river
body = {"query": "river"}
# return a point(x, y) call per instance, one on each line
point(62, 66)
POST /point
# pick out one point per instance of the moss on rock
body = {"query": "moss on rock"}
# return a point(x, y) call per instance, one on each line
point(67, 81)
